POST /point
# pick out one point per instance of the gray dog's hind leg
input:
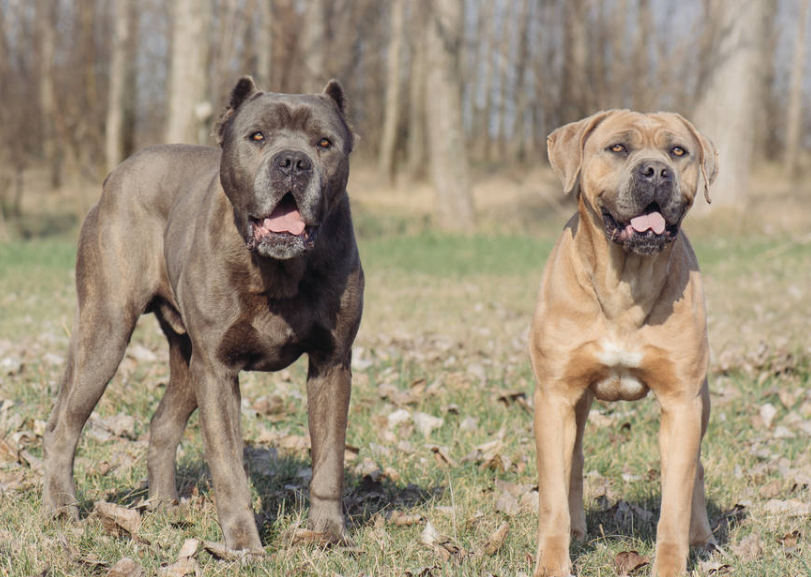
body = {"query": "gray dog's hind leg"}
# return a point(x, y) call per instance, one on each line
point(169, 421)
point(99, 339)
point(110, 300)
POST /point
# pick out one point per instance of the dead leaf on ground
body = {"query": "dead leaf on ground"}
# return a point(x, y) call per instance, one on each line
point(126, 567)
point(790, 508)
point(426, 423)
point(767, 413)
point(442, 455)
point(424, 571)
point(181, 568)
point(117, 520)
point(496, 540)
point(442, 545)
point(507, 503)
point(223, 553)
point(401, 519)
point(714, 567)
point(790, 540)
point(514, 397)
point(627, 562)
point(748, 549)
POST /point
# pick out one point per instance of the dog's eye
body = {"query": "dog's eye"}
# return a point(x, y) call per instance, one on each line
point(324, 143)
point(257, 137)
point(678, 151)
point(618, 148)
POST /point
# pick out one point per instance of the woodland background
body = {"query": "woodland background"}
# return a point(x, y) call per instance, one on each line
point(465, 85)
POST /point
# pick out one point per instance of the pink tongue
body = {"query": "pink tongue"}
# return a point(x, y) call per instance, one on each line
point(284, 219)
point(653, 221)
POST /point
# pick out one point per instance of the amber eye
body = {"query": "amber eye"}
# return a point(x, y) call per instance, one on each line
point(618, 148)
point(257, 137)
point(324, 143)
point(678, 151)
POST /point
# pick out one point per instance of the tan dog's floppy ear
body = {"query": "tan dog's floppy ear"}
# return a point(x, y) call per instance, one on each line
point(565, 148)
point(708, 157)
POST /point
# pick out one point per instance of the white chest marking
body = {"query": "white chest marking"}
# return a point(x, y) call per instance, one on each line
point(621, 383)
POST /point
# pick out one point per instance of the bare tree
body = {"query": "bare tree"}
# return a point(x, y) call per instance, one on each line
point(46, 27)
point(729, 100)
point(573, 95)
point(264, 45)
point(416, 144)
point(188, 70)
point(449, 166)
point(794, 116)
point(313, 46)
point(120, 73)
point(391, 119)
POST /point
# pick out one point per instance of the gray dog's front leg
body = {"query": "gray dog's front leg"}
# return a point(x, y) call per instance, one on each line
point(218, 398)
point(328, 391)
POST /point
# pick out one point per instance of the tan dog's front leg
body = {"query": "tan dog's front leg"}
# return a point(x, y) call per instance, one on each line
point(577, 512)
point(555, 433)
point(700, 532)
point(328, 391)
point(679, 443)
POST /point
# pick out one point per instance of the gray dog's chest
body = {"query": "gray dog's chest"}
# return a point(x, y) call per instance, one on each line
point(268, 338)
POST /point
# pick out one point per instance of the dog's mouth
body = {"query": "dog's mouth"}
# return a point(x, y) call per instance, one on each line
point(284, 225)
point(645, 233)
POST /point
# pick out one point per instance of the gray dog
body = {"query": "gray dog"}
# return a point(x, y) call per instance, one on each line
point(247, 257)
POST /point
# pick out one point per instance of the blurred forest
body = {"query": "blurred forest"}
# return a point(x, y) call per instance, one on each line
point(436, 87)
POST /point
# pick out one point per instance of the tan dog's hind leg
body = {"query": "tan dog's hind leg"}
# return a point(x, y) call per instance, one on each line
point(555, 435)
point(700, 532)
point(577, 512)
point(679, 442)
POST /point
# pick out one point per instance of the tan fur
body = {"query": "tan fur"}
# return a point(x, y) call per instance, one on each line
point(614, 324)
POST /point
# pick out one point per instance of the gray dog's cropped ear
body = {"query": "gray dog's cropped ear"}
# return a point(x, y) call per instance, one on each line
point(244, 89)
point(334, 90)
point(565, 148)
point(708, 157)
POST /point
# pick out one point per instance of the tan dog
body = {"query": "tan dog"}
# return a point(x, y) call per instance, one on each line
point(621, 312)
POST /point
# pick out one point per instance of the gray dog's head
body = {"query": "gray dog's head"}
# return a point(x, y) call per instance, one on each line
point(637, 174)
point(285, 164)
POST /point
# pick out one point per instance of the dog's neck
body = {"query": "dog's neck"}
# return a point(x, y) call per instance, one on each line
point(627, 285)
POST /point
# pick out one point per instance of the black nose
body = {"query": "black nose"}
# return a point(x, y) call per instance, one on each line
point(292, 162)
point(654, 171)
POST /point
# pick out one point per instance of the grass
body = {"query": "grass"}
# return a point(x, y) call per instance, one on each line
point(446, 319)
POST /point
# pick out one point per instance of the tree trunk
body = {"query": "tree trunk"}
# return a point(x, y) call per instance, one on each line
point(391, 119)
point(46, 32)
point(573, 95)
point(794, 116)
point(644, 95)
point(188, 76)
point(519, 129)
point(119, 75)
point(490, 56)
point(264, 45)
point(447, 146)
point(728, 105)
point(313, 38)
point(416, 145)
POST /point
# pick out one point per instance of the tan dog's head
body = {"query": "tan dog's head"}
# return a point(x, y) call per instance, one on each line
point(637, 173)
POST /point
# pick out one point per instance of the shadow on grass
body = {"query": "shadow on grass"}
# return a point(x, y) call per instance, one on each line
point(282, 482)
point(637, 520)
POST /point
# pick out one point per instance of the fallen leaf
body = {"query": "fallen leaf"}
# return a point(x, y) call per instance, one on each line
point(713, 567)
point(790, 540)
point(627, 562)
point(398, 417)
point(126, 567)
point(442, 455)
point(223, 553)
point(496, 540)
point(767, 414)
point(117, 520)
point(441, 544)
point(189, 548)
point(790, 508)
point(426, 423)
point(401, 519)
point(748, 549)
point(181, 568)
point(507, 503)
